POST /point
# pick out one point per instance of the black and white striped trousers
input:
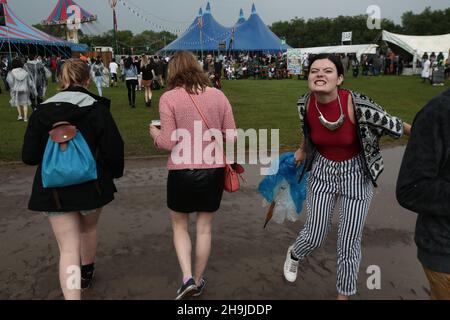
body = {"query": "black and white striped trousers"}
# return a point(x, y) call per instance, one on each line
point(331, 183)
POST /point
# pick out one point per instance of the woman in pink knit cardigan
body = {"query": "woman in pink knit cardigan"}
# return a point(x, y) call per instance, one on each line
point(196, 163)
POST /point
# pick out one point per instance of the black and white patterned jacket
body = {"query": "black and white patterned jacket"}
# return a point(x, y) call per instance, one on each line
point(372, 122)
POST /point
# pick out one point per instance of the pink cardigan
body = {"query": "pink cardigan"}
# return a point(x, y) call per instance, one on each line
point(177, 111)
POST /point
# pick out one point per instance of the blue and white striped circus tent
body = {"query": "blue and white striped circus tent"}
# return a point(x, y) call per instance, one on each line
point(22, 37)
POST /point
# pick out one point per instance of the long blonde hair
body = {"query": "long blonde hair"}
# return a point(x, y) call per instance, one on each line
point(144, 61)
point(74, 72)
point(184, 71)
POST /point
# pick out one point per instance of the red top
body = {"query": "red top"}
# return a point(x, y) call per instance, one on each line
point(341, 144)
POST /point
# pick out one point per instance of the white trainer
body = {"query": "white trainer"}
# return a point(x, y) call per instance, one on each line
point(290, 266)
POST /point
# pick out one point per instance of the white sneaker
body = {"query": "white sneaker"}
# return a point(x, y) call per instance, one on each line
point(290, 266)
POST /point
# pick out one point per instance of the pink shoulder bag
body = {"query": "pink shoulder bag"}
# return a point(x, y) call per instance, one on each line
point(231, 176)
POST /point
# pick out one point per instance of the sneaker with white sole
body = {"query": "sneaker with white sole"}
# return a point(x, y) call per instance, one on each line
point(186, 290)
point(290, 266)
point(200, 288)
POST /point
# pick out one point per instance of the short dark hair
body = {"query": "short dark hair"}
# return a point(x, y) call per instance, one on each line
point(336, 61)
point(16, 63)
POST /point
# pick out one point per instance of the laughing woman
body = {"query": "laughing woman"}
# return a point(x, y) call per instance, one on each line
point(341, 130)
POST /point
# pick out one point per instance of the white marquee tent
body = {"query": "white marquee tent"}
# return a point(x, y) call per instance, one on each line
point(359, 49)
point(297, 56)
point(418, 45)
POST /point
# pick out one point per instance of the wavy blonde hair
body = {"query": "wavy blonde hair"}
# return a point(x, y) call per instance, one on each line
point(184, 71)
point(74, 72)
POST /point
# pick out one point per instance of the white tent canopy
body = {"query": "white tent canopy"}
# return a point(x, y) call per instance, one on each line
point(359, 49)
point(296, 57)
point(418, 45)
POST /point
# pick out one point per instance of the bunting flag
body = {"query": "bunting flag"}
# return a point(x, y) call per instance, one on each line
point(155, 26)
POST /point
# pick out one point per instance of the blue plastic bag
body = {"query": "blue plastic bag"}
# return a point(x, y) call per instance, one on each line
point(74, 165)
point(285, 179)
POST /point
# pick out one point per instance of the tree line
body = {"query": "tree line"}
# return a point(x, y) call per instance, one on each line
point(299, 32)
point(145, 42)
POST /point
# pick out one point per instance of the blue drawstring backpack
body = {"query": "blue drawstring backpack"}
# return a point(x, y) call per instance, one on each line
point(67, 160)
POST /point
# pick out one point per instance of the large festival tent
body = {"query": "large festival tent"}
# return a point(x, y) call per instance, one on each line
point(60, 15)
point(20, 37)
point(254, 35)
point(205, 33)
point(418, 45)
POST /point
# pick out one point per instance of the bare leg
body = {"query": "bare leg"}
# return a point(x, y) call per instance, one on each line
point(89, 237)
point(66, 228)
point(182, 241)
point(341, 297)
point(146, 94)
point(203, 243)
point(19, 112)
point(25, 113)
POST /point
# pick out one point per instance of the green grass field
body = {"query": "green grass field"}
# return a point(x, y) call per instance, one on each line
point(256, 103)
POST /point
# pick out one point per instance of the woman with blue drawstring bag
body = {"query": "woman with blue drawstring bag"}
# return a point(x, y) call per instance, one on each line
point(74, 141)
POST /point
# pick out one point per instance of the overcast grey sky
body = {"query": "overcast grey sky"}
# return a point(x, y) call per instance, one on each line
point(174, 15)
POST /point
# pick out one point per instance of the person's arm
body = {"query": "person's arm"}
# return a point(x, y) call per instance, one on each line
point(300, 153)
point(162, 137)
point(228, 122)
point(111, 145)
point(34, 142)
point(420, 186)
point(406, 129)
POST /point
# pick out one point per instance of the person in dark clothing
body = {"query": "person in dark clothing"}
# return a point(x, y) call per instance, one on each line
point(131, 79)
point(4, 69)
point(159, 70)
point(137, 64)
point(423, 186)
point(74, 210)
point(147, 77)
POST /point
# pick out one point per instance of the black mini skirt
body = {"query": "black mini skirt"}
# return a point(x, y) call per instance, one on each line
point(197, 190)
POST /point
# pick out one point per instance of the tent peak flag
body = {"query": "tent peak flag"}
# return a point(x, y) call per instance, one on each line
point(241, 17)
point(200, 12)
point(253, 9)
point(208, 8)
